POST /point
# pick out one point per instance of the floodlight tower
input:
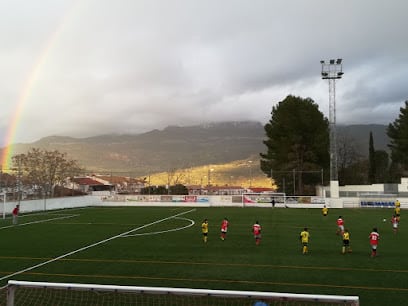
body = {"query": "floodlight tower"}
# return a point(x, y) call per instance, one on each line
point(331, 71)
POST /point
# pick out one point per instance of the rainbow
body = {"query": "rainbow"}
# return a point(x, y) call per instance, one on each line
point(13, 126)
point(22, 100)
point(23, 97)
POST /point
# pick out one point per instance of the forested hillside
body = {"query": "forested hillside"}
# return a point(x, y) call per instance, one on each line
point(182, 147)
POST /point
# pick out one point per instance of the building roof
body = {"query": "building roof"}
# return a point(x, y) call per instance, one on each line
point(261, 189)
point(119, 179)
point(86, 181)
point(214, 187)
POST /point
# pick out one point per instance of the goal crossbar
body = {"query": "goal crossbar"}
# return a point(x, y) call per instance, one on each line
point(13, 285)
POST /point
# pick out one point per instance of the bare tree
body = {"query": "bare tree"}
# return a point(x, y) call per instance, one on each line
point(348, 160)
point(45, 169)
point(174, 177)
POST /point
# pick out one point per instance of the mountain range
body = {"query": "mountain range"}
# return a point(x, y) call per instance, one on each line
point(182, 147)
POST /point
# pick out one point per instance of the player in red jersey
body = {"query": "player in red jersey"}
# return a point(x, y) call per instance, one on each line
point(16, 211)
point(394, 221)
point(224, 228)
point(256, 230)
point(374, 237)
point(340, 226)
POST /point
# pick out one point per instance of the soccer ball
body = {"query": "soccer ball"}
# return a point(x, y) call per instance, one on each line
point(384, 220)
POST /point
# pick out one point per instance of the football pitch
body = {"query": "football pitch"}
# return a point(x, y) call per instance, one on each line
point(163, 247)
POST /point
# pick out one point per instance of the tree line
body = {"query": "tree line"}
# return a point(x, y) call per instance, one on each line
point(297, 150)
point(297, 155)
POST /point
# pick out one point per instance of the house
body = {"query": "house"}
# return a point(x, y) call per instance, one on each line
point(215, 190)
point(88, 185)
point(260, 190)
point(122, 184)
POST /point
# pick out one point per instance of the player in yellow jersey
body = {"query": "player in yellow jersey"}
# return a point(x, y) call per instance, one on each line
point(397, 212)
point(204, 229)
point(346, 242)
point(325, 211)
point(304, 239)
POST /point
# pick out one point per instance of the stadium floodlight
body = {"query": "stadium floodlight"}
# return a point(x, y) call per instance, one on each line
point(332, 70)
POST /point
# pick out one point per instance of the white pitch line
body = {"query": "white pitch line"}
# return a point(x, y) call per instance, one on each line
point(39, 221)
point(166, 231)
point(91, 245)
point(38, 214)
point(59, 212)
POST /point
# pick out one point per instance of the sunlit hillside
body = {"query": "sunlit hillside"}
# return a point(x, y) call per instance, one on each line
point(243, 173)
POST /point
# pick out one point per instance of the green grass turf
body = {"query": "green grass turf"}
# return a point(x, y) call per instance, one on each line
point(165, 257)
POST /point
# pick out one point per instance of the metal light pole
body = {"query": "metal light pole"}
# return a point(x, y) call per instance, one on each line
point(209, 176)
point(250, 172)
point(331, 71)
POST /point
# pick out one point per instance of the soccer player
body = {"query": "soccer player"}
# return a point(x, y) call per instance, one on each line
point(397, 212)
point(304, 239)
point(256, 230)
point(340, 226)
point(325, 211)
point(224, 228)
point(374, 237)
point(346, 242)
point(204, 229)
point(16, 210)
point(394, 221)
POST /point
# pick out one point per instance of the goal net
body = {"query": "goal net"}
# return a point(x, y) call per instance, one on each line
point(44, 293)
point(3, 204)
point(263, 199)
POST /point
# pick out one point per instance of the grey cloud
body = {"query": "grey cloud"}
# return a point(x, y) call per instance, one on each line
point(133, 66)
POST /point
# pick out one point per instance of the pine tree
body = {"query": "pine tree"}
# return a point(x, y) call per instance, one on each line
point(371, 161)
point(398, 134)
point(297, 144)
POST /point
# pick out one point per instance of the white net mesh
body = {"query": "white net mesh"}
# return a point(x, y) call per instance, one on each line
point(61, 294)
point(263, 199)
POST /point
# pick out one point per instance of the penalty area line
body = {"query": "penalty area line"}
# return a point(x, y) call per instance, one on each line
point(165, 231)
point(91, 246)
point(39, 221)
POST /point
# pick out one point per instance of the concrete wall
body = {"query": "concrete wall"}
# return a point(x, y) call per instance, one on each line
point(401, 189)
point(50, 204)
point(213, 201)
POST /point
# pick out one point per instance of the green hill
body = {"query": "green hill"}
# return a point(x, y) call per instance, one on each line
point(220, 145)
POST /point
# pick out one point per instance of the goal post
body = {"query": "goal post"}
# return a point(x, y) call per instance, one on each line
point(46, 293)
point(3, 204)
point(263, 199)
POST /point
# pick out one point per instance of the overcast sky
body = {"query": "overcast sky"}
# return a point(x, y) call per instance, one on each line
point(90, 67)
